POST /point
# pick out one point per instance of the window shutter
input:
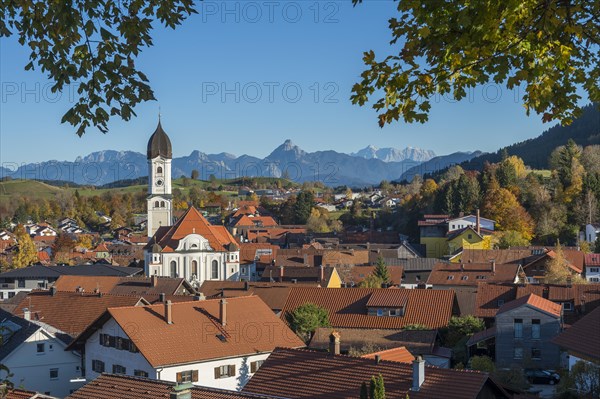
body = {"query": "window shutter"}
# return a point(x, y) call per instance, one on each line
point(217, 373)
point(195, 376)
point(253, 367)
point(232, 370)
point(178, 377)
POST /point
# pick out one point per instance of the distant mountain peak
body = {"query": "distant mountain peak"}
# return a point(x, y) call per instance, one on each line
point(395, 154)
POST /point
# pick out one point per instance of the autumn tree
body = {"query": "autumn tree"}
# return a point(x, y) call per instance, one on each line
point(558, 271)
point(511, 238)
point(26, 252)
point(550, 49)
point(502, 206)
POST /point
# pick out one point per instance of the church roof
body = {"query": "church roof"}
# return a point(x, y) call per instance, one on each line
point(159, 144)
point(192, 222)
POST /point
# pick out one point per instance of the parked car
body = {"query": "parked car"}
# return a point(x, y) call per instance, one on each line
point(542, 377)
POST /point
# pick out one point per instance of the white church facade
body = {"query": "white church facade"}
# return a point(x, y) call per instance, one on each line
point(191, 248)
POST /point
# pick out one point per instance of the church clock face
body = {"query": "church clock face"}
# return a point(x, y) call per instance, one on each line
point(159, 182)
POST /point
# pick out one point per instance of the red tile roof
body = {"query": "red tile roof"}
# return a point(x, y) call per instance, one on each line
point(194, 333)
point(490, 297)
point(109, 386)
point(70, 312)
point(318, 375)
point(535, 301)
point(347, 307)
point(192, 222)
point(592, 260)
point(400, 354)
point(470, 274)
point(246, 221)
point(582, 338)
point(124, 285)
point(22, 394)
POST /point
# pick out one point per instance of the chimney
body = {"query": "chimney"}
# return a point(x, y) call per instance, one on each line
point(377, 359)
point(246, 286)
point(162, 297)
point(334, 343)
point(168, 312)
point(478, 222)
point(418, 373)
point(281, 274)
point(322, 273)
point(569, 281)
point(53, 290)
point(582, 304)
point(546, 292)
point(462, 267)
point(154, 280)
point(493, 262)
point(181, 392)
point(223, 312)
point(305, 259)
point(27, 314)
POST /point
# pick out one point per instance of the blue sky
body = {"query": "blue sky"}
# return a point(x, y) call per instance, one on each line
point(241, 77)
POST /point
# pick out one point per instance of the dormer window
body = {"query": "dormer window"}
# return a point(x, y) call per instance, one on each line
point(450, 277)
point(379, 312)
point(464, 278)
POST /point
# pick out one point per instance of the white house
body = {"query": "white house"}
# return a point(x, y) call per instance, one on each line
point(470, 221)
point(215, 343)
point(592, 231)
point(36, 356)
point(592, 268)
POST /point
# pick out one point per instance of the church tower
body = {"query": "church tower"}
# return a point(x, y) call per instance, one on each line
point(160, 203)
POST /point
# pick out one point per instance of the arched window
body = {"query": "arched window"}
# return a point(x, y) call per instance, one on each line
point(156, 204)
point(215, 270)
point(159, 170)
point(162, 204)
point(173, 269)
point(195, 268)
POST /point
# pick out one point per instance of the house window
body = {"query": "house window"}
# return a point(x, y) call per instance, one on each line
point(594, 270)
point(140, 373)
point(187, 376)
point(518, 353)
point(536, 353)
point(254, 366)
point(450, 277)
point(156, 204)
point(535, 329)
point(224, 371)
point(21, 283)
point(98, 366)
point(195, 268)
point(215, 270)
point(54, 374)
point(395, 312)
point(567, 306)
point(243, 270)
point(470, 236)
point(173, 269)
point(118, 369)
point(379, 312)
point(464, 278)
point(593, 280)
point(518, 328)
point(41, 348)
